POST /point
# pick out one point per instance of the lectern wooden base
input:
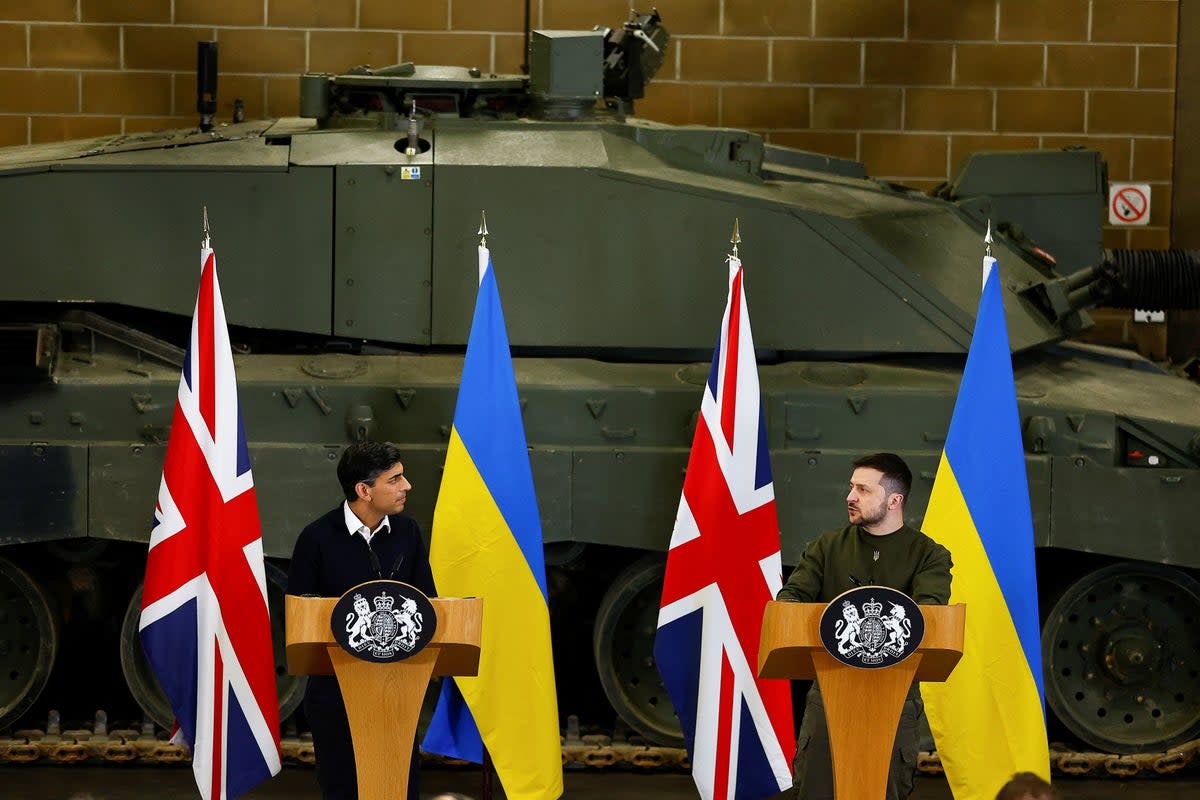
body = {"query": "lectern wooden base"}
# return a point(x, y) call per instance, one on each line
point(383, 701)
point(862, 712)
point(862, 706)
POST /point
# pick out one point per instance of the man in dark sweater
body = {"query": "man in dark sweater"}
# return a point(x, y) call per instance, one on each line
point(365, 538)
point(876, 548)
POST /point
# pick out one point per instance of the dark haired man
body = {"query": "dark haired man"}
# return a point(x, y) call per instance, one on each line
point(876, 548)
point(365, 538)
point(1027, 786)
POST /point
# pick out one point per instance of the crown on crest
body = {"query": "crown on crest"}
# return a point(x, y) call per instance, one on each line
point(872, 608)
point(384, 602)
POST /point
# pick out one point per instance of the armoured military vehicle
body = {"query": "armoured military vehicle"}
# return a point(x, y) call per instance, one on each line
point(345, 242)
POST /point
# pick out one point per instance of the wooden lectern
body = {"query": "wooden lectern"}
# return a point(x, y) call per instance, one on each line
point(862, 706)
point(383, 701)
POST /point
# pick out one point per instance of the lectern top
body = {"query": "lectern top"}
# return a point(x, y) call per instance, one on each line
point(791, 635)
point(309, 637)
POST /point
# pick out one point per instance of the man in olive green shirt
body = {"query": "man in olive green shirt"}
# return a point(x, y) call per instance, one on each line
point(876, 548)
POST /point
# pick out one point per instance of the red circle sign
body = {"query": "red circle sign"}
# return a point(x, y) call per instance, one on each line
point(1129, 204)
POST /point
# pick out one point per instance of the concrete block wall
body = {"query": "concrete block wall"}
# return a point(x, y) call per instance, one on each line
point(907, 86)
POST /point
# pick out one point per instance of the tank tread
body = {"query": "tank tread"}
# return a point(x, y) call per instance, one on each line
point(1069, 762)
point(594, 751)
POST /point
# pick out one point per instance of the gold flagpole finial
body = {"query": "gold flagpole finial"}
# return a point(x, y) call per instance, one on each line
point(988, 240)
point(736, 237)
point(483, 231)
point(206, 236)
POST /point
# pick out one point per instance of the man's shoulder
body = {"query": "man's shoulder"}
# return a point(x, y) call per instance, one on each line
point(403, 523)
point(329, 521)
point(828, 541)
point(927, 542)
point(835, 534)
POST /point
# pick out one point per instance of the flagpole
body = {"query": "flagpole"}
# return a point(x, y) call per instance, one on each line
point(202, 534)
point(513, 699)
point(485, 789)
point(988, 261)
point(979, 509)
point(736, 554)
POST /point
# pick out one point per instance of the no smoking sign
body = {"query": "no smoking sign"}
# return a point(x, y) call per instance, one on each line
point(1129, 204)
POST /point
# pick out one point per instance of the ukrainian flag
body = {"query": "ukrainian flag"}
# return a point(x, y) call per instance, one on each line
point(989, 718)
point(487, 542)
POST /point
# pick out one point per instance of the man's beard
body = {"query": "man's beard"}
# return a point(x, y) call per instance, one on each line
point(867, 518)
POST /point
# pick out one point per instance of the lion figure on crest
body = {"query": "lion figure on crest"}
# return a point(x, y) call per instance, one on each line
point(410, 622)
point(846, 629)
point(358, 623)
point(898, 626)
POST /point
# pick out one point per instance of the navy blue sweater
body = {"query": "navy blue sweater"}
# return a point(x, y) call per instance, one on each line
point(328, 560)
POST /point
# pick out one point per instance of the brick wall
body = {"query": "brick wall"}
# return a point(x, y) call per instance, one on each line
point(908, 86)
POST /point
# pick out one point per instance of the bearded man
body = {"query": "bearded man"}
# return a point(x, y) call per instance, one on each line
point(877, 548)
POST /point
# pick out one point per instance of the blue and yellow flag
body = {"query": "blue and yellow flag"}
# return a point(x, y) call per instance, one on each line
point(487, 542)
point(988, 719)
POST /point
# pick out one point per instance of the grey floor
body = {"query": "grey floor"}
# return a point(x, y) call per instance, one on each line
point(86, 782)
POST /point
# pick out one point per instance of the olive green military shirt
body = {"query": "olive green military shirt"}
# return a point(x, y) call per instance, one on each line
point(842, 559)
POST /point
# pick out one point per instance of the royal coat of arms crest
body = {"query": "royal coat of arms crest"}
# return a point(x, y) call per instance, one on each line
point(383, 620)
point(861, 634)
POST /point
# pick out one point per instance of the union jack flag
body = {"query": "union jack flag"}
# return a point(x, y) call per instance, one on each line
point(205, 625)
point(722, 569)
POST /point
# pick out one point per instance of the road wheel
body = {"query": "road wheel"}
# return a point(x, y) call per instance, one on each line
point(623, 645)
point(1121, 658)
point(144, 686)
point(28, 641)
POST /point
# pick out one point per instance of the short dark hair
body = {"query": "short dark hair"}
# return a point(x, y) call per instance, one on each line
point(363, 462)
point(1027, 786)
point(897, 477)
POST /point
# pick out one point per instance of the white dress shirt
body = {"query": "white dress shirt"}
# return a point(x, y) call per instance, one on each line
point(355, 525)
